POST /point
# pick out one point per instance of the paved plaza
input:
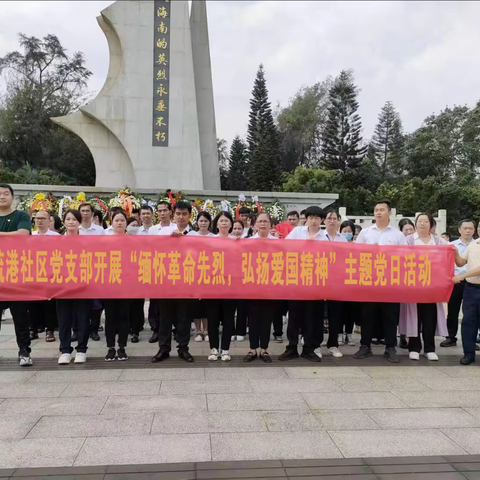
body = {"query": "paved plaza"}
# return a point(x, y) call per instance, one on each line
point(137, 413)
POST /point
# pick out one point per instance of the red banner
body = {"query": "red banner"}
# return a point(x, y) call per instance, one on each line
point(37, 268)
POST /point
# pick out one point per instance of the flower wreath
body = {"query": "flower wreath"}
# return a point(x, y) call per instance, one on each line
point(276, 211)
point(40, 201)
point(125, 199)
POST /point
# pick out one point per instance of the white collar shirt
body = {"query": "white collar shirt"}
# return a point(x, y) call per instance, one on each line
point(193, 233)
point(48, 232)
point(270, 237)
point(461, 247)
point(388, 236)
point(301, 233)
point(143, 231)
point(155, 230)
point(173, 228)
point(91, 230)
point(336, 238)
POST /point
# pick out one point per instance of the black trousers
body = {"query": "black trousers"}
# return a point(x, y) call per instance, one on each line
point(137, 316)
point(241, 323)
point(43, 314)
point(175, 313)
point(335, 322)
point(427, 325)
point(154, 314)
point(117, 321)
point(306, 315)
point(280, 309)
point(260, 318)
point(454, 305)
point(221, 311)
point(380, 316)
point(95, 317)
point(351, 315)
point(19, 311)
point(67, 311)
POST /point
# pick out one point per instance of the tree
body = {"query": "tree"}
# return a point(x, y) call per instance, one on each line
point(301, 125)
point(262, 139)
point(342, 140)
point(388, 140)
point(223, 166)
point(43, 82)
point(238, 174)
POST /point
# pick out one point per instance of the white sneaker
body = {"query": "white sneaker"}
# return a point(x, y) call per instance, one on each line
point(335, 352)
point(198, 338)
point(226, 356)
point(349, 340)
point(431, 356)
point(80, 357)
point(414, 356)
point(240, 338)
point(25, 360)
point(207, 338)
point(302, 341)
point(65, 359)
point(233, 338)
point(340, 339)
point(213, 357)
point(318, 352)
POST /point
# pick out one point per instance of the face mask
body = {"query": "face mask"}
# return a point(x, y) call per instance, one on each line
point(132, 230)
point(348, 236)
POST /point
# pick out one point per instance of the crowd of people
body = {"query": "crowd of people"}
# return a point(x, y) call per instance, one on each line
point(221, 321)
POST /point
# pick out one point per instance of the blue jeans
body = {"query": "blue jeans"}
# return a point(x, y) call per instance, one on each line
point(471, 319)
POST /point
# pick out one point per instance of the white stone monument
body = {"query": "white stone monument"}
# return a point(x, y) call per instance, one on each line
point(152, 125)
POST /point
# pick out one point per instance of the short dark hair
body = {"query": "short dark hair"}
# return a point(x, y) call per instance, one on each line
point(386, 202)
point(88, 205)
point(329, 210)
point(116, 209)
point(164, 202)
point(293, 213)
point(99, 215)
point(302, 212)
point(358, 227)
point(403, 222)
point(57, 222)
point(347, 223)
point(446, 234)
point(204, 214)
point(240, 222)
point(466, 220)
point(314, 211)
point(135, 210)
point(267, 214)
point(119, 212)
point(218, 217)
point(75, 213)
point(244, 211)
point(131, 220)
point(182, 205)
point(431, 220)
point(6, 185)
point(146, 207)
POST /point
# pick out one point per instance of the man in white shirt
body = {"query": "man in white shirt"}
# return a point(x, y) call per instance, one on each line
point(87, 226)
point(334, 308)
point(146, 217)
point(466, 229)
point(306, 315)
point(42, 221)
point(164, 211)
point(293, 218)
point(175, 312)
point(380, 315)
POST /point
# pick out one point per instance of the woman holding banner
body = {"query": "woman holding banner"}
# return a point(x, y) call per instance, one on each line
point(117, 310)
point(261, 312)
point(428, 318)
point(69, 310)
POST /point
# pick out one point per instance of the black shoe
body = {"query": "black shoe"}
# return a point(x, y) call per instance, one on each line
point(95, 337)
point(403, 342)
point(33, 335)
point(110, 356)
point(135, 339)
point(250, 357)
point(266, 357)
point(288, 355)
point(449, 342)
point(391, 355)
point(467, 360)
point(153, 338)
point(122, 355)
point(363, 352)
point(74, 338)
point(312, 356)
point(160, 356)
point(186, 356)
point(100, 328)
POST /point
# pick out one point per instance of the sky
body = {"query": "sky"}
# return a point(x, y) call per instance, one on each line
point(422, 56)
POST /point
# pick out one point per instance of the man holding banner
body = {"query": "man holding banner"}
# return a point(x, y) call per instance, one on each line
point(376, 314)
point(16, 222)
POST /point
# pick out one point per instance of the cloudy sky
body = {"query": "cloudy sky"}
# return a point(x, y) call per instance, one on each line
point(420, 55)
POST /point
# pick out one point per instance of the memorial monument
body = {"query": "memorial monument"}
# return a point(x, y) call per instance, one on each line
point(152, 125)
